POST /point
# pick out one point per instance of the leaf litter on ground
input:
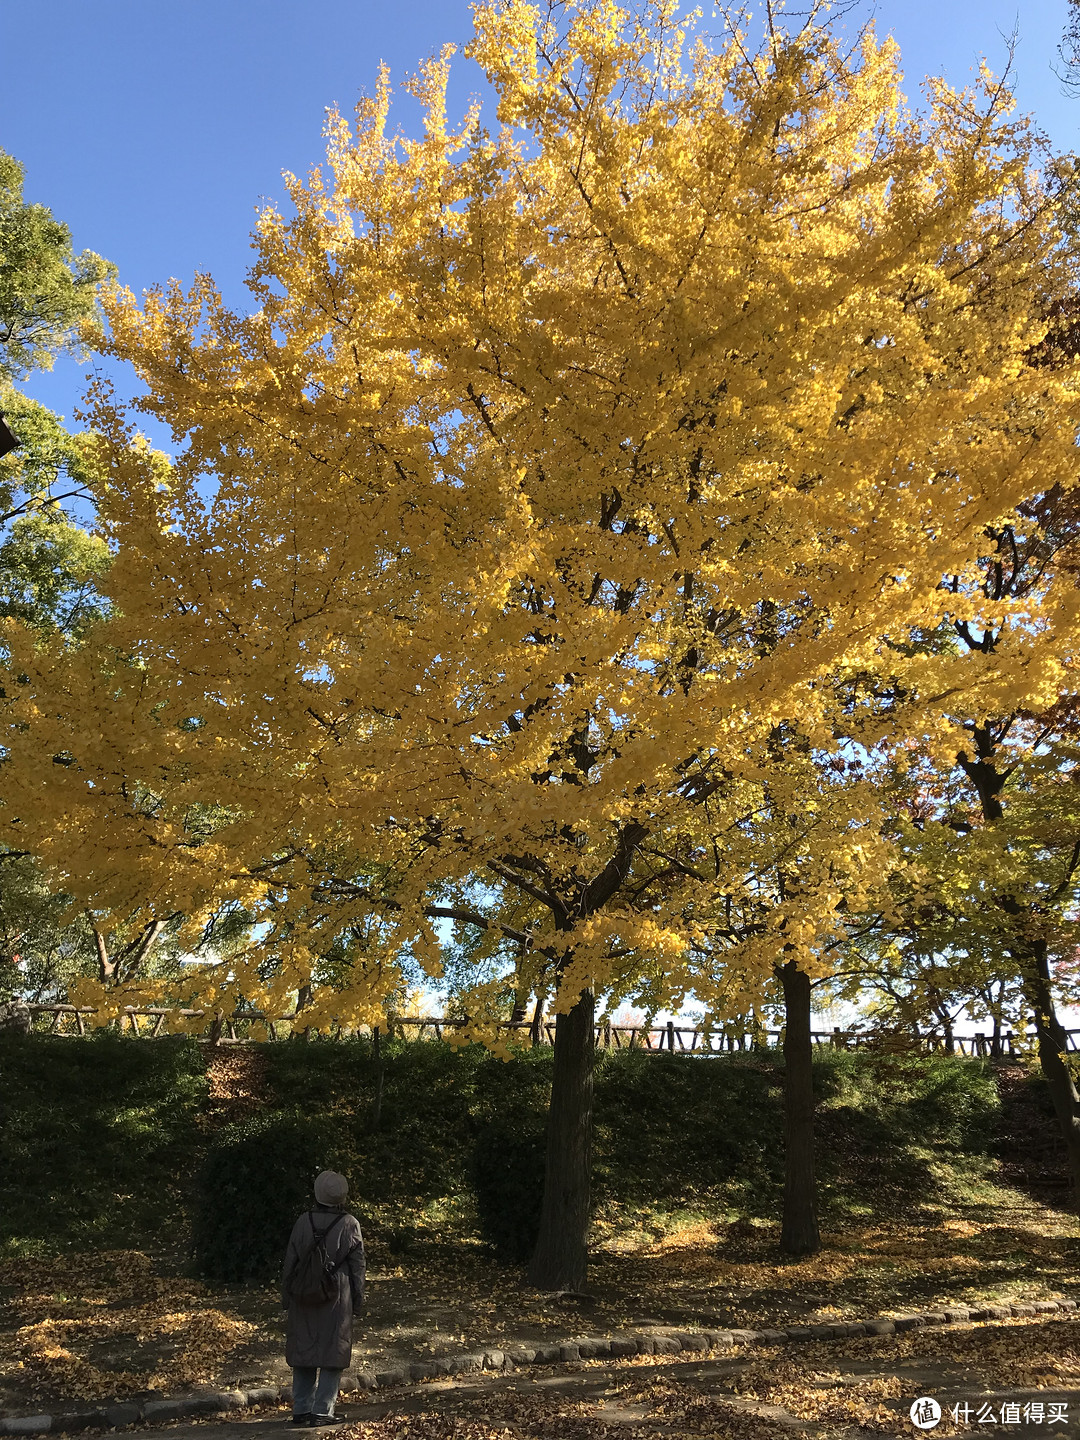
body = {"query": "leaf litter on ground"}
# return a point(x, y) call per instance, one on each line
point(114, 1323)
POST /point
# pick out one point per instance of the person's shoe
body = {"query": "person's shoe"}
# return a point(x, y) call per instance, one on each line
point(300, 1419)
point(320, 1420)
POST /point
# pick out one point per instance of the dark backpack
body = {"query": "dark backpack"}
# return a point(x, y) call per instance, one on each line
point(314, 1281)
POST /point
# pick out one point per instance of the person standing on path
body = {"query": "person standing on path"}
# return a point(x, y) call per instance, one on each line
point(322, 1288)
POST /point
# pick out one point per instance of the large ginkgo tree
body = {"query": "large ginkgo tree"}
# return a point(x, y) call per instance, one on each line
point(558, 467)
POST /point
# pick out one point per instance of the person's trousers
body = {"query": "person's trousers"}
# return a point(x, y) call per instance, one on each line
point(314, 1390)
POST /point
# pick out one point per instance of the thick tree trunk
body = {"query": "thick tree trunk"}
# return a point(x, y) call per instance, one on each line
point(1050, 1034)
point(560, 1259)
point(799, 1234)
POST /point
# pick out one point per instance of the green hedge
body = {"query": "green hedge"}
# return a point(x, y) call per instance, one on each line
point(254, 1181)
point(99, 1139)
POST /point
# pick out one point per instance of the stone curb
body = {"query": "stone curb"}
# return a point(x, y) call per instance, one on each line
point(118, 1414)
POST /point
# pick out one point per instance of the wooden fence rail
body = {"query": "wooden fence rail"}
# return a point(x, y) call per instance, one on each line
point(243, 1027)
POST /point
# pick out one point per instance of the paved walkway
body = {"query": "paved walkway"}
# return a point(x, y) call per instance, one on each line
point(602, 1389)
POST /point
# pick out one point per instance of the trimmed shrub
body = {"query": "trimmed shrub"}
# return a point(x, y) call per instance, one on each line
point(255, 1180)
point(99, 1138)
point(508, 1182)
point(672, 1128)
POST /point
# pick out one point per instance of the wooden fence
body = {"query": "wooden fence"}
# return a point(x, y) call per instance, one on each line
point(702, 1040)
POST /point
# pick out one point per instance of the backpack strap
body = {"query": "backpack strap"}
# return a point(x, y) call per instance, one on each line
point(322, 1234)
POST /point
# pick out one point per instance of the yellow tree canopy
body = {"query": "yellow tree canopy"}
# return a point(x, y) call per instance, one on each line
point(557, 466)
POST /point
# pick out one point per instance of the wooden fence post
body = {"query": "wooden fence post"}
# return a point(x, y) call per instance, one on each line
point(68, 1018)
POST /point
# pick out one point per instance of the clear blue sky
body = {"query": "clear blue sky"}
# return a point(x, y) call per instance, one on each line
point(155, 127)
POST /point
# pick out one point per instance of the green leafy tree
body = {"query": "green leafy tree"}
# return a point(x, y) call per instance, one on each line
point(50, 570)
point(50, 566)
point(48, 294)
point(48, 306)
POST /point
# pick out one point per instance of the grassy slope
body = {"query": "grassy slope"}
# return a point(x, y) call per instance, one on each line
point(102, 1137)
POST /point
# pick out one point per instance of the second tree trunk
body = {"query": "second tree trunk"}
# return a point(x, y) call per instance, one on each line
point(799, 1234)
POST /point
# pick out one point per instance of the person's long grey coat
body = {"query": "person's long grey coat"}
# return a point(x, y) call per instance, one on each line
point(321, 1335)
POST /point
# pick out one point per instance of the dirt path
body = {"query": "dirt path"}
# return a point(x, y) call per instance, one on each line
point(840, 1395)
point(237, 1082)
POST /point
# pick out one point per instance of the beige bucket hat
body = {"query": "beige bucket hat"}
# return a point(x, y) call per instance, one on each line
point(331, 1188)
